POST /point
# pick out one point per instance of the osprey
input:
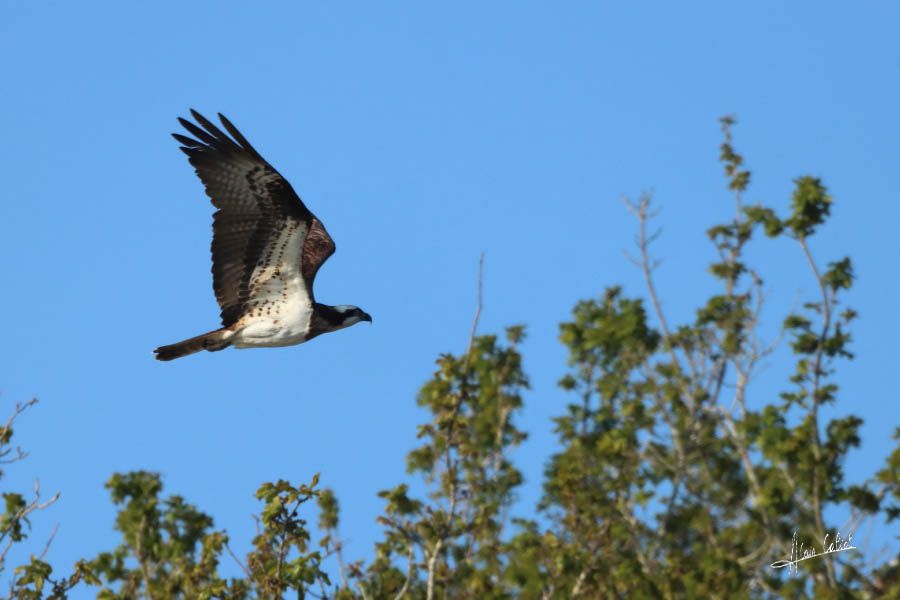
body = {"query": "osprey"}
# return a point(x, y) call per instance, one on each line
point(266, 249)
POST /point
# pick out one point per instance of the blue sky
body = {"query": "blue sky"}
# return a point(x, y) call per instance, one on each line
point(421, 135)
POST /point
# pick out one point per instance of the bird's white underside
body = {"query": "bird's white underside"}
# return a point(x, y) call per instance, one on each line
point(280, 307)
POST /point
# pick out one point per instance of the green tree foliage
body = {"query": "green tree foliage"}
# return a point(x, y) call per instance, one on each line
point(669, 483)
point(33, 580)
point(452, 542)
point(670, 479)
point(170, 550)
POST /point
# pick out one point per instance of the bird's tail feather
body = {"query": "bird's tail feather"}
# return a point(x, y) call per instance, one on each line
point(212, 341)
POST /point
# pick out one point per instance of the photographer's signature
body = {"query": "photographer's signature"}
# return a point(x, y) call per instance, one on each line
point(799, 553)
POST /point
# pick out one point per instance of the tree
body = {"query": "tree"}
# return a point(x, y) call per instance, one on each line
point(671, 480)
point(669, 484)
point(32, 580)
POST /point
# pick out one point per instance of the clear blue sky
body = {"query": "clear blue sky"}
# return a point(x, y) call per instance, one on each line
point(421, 135)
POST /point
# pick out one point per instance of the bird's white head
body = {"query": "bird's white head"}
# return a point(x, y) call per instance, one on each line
point(350, 315)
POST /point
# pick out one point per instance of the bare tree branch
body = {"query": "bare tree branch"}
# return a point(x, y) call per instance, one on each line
point(409, 573)
point(477, 306)
point(49, 541)
point(238, 561)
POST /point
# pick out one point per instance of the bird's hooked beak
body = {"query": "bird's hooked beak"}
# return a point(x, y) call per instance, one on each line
point(366, 317)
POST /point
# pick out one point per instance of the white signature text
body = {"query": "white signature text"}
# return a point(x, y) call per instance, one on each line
point(799, 553)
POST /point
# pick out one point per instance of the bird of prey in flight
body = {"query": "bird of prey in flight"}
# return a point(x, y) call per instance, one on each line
point(266, 249)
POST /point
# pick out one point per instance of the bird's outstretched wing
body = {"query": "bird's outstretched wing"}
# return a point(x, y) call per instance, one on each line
point(261, 227)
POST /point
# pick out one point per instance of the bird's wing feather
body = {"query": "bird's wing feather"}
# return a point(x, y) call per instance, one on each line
point(258, 215)
point(317, 247)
